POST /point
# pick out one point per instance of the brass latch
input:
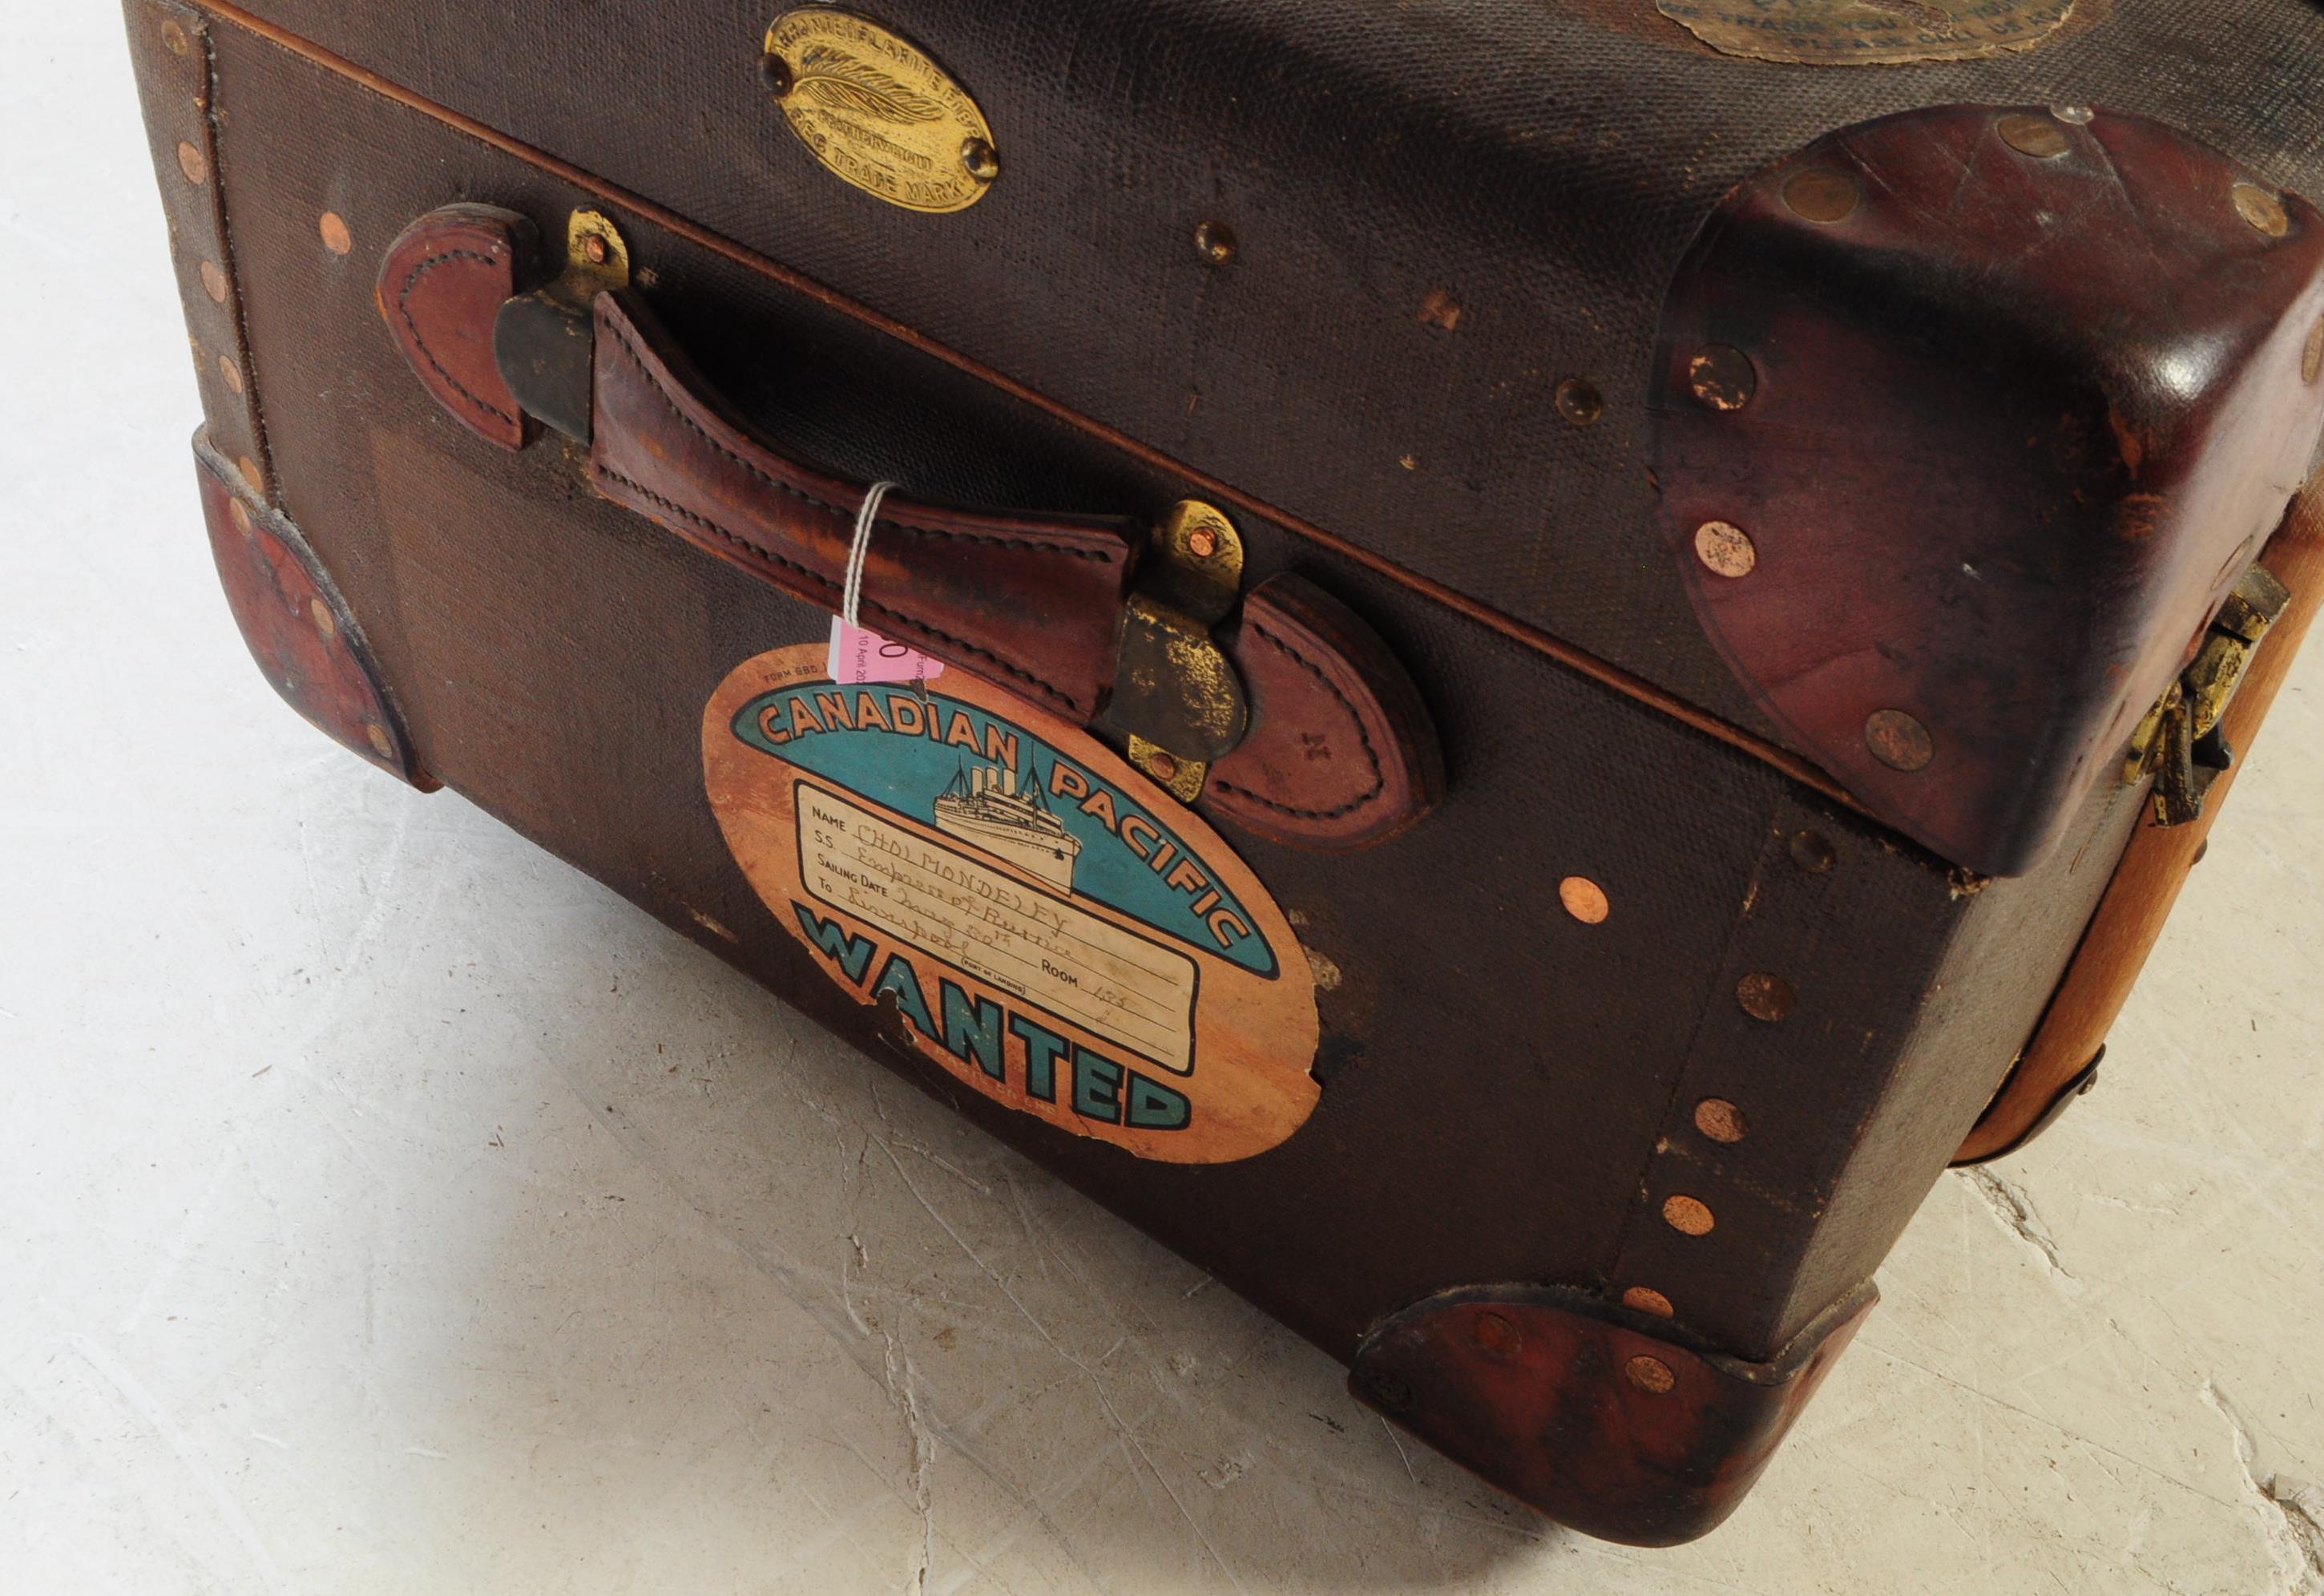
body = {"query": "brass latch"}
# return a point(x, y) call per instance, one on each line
point(1176, 694)
point(2180, 743)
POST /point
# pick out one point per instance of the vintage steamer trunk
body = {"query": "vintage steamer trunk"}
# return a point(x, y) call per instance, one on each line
point(1584, 637)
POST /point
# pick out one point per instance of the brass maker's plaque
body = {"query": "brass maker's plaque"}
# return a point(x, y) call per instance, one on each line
point(877, 112)
point(1868, 33)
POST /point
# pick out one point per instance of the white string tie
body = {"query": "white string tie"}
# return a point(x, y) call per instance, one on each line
point(851, 595)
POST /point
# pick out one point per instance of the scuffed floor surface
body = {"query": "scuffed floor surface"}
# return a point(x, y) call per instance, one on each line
point(385, 1208)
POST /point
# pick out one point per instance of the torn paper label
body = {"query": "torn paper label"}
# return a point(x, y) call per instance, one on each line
point(1868, 33)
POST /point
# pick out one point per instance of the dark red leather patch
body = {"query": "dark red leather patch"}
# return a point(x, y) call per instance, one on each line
point(1967, 419)
point(1341, 752)
point(441, 284)
point(297, 625)
point(1594, 1414)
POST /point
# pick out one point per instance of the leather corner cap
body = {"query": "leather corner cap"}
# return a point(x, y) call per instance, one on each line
point(1966, 421)
point(1596, 1414)
point(1340, 754)
point(298, 627)
point(441, 286)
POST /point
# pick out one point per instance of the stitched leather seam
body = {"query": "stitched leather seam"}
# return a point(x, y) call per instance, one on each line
point(419, 341)
point(998, 540)
point(1379, 778)
point(828, 585)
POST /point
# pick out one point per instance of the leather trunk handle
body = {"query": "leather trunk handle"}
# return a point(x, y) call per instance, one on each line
point(1032, 603)
point(1285, 711)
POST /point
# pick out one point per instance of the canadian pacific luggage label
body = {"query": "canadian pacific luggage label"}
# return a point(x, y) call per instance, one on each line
point(1048, 927)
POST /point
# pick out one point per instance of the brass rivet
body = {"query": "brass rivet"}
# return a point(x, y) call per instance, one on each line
point(1765, 997)
point(2038, 136)
point(333, 227)
point(1898, 741)
point(1651, 1375)
point(230, 373)
point(174, 39)
point(2261, 209)
point(982, 161)
point(2079, 116)
point(1162, 767)
point(380, 742)
point(251, 474)
point(2312, 363)
point(1726, 548)
point(1812, 852)
point(1202, 542)
point(1722, 378)
point(1495, 1334)
point(1817, 195)
point(1584, 899)
point(324, 622)
point(193, 163)
point(1440, 309)
point(238, 512)
point(775, 74)
point(213, 282)
point(1645, 1299)
point(1579, 402)
point(1215, 243)
point(1720, 1120)
point(1689, 1216)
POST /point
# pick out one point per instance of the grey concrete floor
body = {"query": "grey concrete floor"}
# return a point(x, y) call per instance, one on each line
point(385, 1208)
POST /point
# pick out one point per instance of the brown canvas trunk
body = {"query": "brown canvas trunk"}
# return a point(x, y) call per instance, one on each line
point(1696, 584)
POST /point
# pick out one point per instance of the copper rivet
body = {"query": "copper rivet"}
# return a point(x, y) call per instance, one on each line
point(333, 227)
point(2079, 116)
point(1651, 1375)
point(1812, 852)
point(1579, 402)
point(1688, 1215)
point(230, 373)
point(775, 74)
point(324, 623)
point(213, 281)
point(1215, 243)
point(1720, 1120)
point(1497, 1334)
point(1202, 542)
point(1898, 741)
point(1584, 899)
point(1817, 195)
point(1645, 1299)
point(174, 39)
point(380, 742)
point(193, 163)
point(2261, 209)
point(1722, 378)
point(595, 250)
point(2312, 363)
point(1766, 997)
point(1161, 766)
point(2037, 136)
point(1726, 548)
point(982, 162)
point(251, 474)
point(238, 512)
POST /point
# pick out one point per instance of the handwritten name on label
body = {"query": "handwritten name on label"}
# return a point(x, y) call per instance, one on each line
point(1104, 979)
point(860, 655)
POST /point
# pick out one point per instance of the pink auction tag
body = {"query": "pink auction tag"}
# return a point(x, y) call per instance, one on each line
point(859, 655)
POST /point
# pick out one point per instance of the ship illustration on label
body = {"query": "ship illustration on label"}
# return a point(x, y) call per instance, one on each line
point(985, 808)
point(1047, 925)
